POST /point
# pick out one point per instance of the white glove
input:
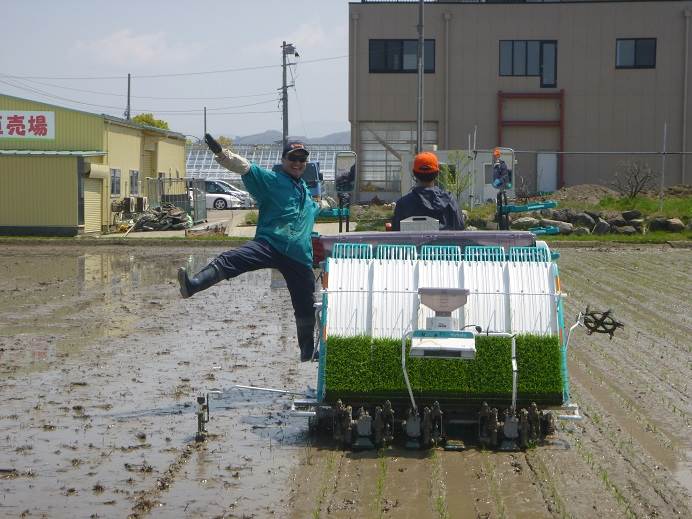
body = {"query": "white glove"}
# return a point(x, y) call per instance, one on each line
point(232, 162)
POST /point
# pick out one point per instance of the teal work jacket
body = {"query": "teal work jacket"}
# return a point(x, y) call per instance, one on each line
point(287, 212)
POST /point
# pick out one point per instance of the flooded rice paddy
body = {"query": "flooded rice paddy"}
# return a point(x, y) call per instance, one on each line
point(101, 362)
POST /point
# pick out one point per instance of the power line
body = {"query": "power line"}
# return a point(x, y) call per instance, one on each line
point(175, 74)
point(167, 112)
point(115, 94)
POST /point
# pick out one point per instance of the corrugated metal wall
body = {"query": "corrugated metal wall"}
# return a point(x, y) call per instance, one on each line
point(38, 191)
point(75, 131)
point(92, 204)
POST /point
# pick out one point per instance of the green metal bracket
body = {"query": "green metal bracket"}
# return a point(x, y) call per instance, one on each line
point(440, 253)
point(335, 212)
point(528, 207)
point(352, 251)
point(539, 231)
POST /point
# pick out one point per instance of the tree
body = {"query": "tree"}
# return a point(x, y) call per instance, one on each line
point(225, 142)
point(149, 120)
point(455, 176)
point(633, 177)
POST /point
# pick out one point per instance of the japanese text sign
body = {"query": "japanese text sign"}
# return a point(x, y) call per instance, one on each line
point(27, 125)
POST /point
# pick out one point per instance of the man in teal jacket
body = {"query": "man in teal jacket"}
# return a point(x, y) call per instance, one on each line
point(282, 241)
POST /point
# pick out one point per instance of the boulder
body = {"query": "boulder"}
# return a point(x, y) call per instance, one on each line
point(595, 215)
point(658, 224)
point(470, 228)
point(637, 223)
point(524, 223)
point(675, 225)
point(546, 213)
point(618, 221)
point(583, 220)
point(601, 227)
point(631, 215)
point(563, 215)
point(581, 231)
point(478, 223)
point(565, 227)
point(625, 229)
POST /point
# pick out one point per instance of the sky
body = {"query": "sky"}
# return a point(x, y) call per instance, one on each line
point(77, 54)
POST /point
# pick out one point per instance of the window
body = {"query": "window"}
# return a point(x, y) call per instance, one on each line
point(529, 58)
point(115, 182)
point(134, 182)
point(400, 56)
point(635, 53)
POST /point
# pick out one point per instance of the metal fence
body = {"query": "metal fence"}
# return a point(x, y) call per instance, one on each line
point(189, 194)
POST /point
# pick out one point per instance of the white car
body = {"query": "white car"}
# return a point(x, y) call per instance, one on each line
point(244, 196)
point(220, 197)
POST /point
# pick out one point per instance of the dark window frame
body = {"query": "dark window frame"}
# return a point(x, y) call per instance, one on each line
point(115, 182)
point(541, 44)
point(400, 43)
point(635, 65)
point(540, 63)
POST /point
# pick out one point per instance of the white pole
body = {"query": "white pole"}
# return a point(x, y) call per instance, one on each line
point(421, 41)
point(663, 166)
point(687, 13)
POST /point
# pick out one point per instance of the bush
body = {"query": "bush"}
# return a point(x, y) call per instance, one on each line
point(251, 218)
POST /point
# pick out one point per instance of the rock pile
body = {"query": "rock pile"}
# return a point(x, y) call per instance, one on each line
point(588, 222)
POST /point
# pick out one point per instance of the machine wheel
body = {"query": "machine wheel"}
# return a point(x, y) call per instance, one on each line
point(219, 203)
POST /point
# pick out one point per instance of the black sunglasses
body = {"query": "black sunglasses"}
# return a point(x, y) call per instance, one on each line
point(296, 159)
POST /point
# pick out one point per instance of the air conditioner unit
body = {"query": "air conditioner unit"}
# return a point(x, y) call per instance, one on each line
point(142, 204)
point(129, 204)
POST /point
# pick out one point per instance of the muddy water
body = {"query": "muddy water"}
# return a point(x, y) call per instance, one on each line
point(101, 361)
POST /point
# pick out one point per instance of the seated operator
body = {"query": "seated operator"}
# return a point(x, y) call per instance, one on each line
point(427, 199)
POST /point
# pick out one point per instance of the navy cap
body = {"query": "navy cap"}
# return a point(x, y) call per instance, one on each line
point(294, 146)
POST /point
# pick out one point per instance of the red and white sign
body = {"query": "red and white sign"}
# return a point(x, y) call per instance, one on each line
point(27, 125)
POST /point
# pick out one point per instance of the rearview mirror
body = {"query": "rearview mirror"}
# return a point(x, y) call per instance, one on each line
point(345, 171)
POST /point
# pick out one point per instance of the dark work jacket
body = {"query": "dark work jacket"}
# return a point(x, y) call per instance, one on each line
point(429, 201)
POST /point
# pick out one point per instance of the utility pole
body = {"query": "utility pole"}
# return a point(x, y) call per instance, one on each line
point(419, 114)
point(286, 49)
point(127, 110)
point(205, 120)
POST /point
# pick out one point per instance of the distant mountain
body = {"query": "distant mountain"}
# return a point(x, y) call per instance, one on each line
point(272, 136)
point(333, 138)
point(268, 137)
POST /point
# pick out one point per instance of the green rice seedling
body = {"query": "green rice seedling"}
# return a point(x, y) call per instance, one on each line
point(370, 369)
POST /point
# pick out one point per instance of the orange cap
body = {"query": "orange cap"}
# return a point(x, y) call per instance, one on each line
point(497, 152)
point(426, 163)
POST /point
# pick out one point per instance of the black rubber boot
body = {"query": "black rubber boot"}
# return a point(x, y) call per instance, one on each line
point(306, 339)
point(205, 278)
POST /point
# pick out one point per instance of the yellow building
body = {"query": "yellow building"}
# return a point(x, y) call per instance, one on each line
point(61, 169)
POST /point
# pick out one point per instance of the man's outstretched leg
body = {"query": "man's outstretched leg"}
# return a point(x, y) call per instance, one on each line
point(205, 278)
point(250, 256)
point(300, 281)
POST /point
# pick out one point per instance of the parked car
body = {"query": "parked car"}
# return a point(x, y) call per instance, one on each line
point(220, 197)
point(246, 198)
